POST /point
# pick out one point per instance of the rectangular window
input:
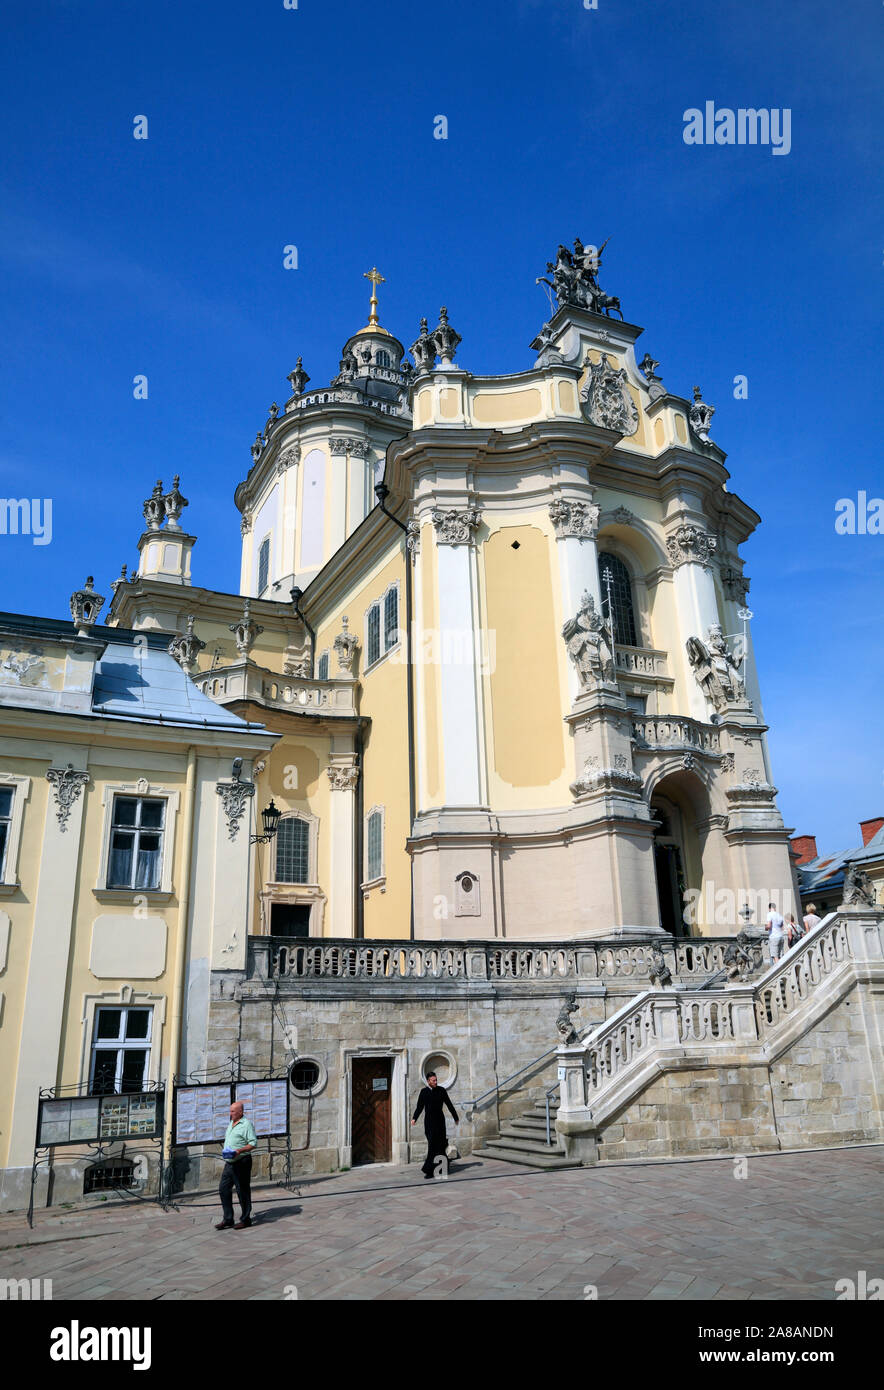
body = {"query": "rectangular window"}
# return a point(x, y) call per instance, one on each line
point(6, 795)
point(292, 850)
point(136, 848)
point(120, 1051)
point(322, 668)
point(263, 565)
point(391, 619)
point(375, 839)
point(374, 634)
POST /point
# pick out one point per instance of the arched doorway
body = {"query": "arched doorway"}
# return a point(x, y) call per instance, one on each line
point(679, 803)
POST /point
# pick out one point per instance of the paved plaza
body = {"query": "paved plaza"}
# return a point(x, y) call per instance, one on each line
point(792, 1227)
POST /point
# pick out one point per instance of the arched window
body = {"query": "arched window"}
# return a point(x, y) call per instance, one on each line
point(614, 576)
point(391, 619)
point(374, 845)
point(292, 850)
point(263, 564)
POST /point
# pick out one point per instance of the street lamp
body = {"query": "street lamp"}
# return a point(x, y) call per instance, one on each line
point(271, 816)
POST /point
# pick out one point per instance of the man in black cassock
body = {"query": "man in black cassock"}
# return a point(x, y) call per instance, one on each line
point(431, 1101)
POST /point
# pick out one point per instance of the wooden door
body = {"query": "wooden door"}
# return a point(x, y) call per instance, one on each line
point(372, 1110)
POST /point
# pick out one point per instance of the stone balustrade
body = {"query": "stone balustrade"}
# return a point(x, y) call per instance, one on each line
point(565, 963)
point(675, 731)
point(247, 681)
point(642, 661)
point(733, 1021)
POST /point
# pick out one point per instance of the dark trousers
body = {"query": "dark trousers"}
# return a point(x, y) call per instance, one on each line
point(437, 1143)
point(237, 1175)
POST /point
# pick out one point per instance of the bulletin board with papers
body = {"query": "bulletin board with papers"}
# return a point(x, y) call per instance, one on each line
point(202, 1113)
point(92, 1119)
point(266, 1104)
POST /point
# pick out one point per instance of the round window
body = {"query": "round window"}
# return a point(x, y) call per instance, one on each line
point(304, 1075)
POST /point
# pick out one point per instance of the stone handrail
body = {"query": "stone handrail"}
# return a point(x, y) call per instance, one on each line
point(612, 1063)
point(565, 963)
point(674, 731)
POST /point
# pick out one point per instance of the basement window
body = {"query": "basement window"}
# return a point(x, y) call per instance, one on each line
point(104, 1177)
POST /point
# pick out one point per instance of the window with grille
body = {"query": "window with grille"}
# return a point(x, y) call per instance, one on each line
point(6, 794)
point(136, 847)
point(613, 574)
point(391, 619)
point(383, 358)
point(263, 564)
point(102, 1177)
point(292, 850)
point(374, 634)
point(322, 668)
point(120, 1051)
point(375, 846)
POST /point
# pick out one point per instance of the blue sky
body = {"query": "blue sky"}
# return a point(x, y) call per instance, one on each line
point(314, 127)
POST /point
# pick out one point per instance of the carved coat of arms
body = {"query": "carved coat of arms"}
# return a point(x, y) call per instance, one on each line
point(606, 398)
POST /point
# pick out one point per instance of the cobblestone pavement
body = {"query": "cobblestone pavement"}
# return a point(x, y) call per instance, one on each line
point(682, 1230)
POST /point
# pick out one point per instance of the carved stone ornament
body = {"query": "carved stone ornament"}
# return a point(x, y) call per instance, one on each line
point(590, 644)
point(347, 444)
point(574, 518)
point(606, 398)
point(736, 585)
point(565, 1030)
point(186, 648)
point(544, 344)
point(67, 783)
point(859, 891)
point(455, 526)
point(727, 762)
point(245, 632)
point(245, 525)
point(701, 416)
point(622, 516)
point(345, 645)
point(235, 796)
point(717, 668)
point(413, 538)
point(154, 507)
point(596, 778)
point(445, 339)
point(648, 366)
point(174, 504)
point(690, 545)
point(658, 969)
point(423, 350)
point(288, 458)
point(343, 779)
point(298, 378)
point(86, 605)
point(258, 446)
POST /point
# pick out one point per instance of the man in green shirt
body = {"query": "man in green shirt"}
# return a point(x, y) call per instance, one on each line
point(239, 1141)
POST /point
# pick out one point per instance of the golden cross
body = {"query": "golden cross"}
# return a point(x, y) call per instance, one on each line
point(376, 278)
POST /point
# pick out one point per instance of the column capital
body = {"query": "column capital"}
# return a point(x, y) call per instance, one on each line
point(343, 776)
point(67, 783)
point(579, 519)
point(689, 544)
point(455, 525)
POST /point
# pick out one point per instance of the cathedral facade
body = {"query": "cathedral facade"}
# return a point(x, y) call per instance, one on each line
point(499, 623)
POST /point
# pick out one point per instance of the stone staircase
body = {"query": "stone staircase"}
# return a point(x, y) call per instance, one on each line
point(523, 1140)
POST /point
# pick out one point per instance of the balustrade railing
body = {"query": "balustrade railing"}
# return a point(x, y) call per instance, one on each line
point(563, 963)
point(675, 732)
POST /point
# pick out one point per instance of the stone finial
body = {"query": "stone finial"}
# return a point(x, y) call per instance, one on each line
point(245, 632)
point(345, 645)
point(257, 447)
point(423, 350)
point(86, 605)
point(154, 507)
point(298, 378)
point(445, 339)
point(187, 648)
point(174, 504)
point(124, 571)
point(648, 366)
point(701, 416)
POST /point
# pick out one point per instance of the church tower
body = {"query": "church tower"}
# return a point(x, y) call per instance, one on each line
point(316, 464)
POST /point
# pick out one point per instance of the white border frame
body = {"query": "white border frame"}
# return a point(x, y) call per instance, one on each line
point(379, 603)
point(21, 787)
point(140, 788)
point(380, 880)
point(125, 997)
point(399, 1141)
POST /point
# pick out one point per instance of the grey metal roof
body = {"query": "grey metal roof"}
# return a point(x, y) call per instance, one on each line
point(139, 681)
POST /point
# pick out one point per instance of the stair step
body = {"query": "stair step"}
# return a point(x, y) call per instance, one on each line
point(508, 1140)
point(551, 1159)
point(529, 1129)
